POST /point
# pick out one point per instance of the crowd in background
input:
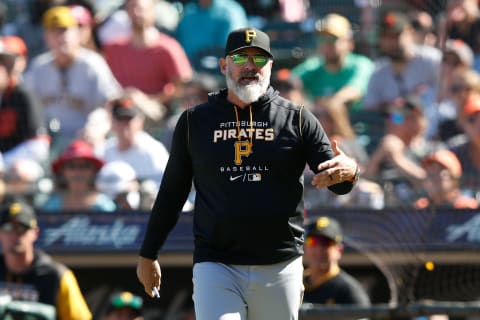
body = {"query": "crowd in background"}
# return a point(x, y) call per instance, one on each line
point(91, 91)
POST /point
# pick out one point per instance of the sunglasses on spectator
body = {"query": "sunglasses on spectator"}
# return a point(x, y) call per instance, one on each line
point(317, 241)
point(15, 227)
point(473, 118)
point(452, 60)
point(241, 59)
point(458, 87)
point(78, 165)
point(326, 39)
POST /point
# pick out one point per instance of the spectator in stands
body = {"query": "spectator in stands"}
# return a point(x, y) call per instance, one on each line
point(131, 144)
point(29, 274)
point(79, 80)
point(443, 171)
point(337, 78)
point(366, 194)
point(289, 86)
point(118, 180)
point(75, 171)
point(469, 152)
point(461, 21)
point(423, 28)
point(17, 47)
point(325, 281)
point(157, 67)
point(462, 81)
point(86, 26)
point(195, 92)
point(456, 54)
point(21, 179)
point(113, 22)
point(22, 133)
point(405, 68)
point(217, 18)
point(395, 163)
point(124, 306)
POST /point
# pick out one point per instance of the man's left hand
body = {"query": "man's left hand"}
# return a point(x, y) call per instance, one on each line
point(338, 169)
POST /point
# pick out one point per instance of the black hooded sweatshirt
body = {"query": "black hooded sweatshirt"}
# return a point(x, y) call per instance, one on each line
point(247, 168)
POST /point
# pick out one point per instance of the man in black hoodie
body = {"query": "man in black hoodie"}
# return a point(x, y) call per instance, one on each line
point(245, 150)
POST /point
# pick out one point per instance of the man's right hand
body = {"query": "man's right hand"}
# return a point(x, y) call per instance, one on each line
point(149, 274)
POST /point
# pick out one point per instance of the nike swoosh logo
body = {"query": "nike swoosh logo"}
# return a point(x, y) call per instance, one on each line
point(235, 178)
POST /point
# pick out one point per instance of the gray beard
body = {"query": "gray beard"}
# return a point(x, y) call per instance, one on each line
point(251, 92)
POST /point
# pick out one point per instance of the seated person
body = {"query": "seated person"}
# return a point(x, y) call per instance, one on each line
point(124, 306)
point(395, 163)
point(75, 171)
point(325, 282)
point(118, 180)
point(442, 183)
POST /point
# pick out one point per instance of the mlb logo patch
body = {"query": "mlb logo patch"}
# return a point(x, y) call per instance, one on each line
point(254, 177)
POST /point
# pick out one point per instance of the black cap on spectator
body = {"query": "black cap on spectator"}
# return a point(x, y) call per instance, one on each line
point(325, 227)
point(394, 22)
point(124, 108)
point(17, 212)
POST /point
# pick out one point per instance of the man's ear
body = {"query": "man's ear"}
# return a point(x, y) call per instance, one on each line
point(223, 65)
point(36, 233)
point(341, 247)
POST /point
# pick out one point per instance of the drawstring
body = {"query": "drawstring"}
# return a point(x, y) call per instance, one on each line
point(238, 123)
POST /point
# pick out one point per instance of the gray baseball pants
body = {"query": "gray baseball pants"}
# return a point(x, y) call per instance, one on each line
point(248, 292)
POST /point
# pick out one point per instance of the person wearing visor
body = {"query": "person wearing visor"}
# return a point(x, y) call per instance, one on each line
point(124, 306)
point(245, 150)
point(29, 274)
point(325, 281)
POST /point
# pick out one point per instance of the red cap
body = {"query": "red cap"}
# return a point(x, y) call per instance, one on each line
point(446, 159)
point(15, 45)
point(472, 105)
point(79, 149)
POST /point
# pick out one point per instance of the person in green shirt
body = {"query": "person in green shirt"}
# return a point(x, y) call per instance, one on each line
point(337, 78)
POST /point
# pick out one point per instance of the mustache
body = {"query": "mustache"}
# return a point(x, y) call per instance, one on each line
point(249, 74)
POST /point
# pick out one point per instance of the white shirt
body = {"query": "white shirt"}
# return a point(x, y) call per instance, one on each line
point(148, 156)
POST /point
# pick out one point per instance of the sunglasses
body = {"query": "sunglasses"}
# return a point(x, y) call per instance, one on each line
point(78, 165)
point(473, 118)
point(317, 241)
point(451, 60)
point(458, 87)
point(15, 227)
point(241, 59)
point(327, 39)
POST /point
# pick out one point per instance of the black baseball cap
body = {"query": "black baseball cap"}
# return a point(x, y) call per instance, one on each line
point(247, 38)
point(17, 212)
point(326, 227)
point(124, 108)
point(394, 21)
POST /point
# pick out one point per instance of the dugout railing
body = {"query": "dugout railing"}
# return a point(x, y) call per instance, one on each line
point(450, 309)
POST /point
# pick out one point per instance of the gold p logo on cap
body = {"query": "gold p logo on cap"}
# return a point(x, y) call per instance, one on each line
point(250, 34)
point(323, 222)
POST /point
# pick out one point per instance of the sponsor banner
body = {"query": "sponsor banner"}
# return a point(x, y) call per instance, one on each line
point(447, 230)
point(404, 230)
point(106, 232)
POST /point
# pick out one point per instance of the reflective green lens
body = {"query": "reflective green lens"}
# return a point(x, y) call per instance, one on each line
point(260, 60)
point(242, 58)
